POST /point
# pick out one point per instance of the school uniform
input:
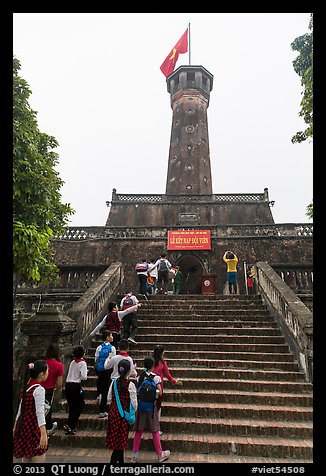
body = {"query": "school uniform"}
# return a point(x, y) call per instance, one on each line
point(74, 391)
point(148, 421)
point(27, 438)
point(118, 427)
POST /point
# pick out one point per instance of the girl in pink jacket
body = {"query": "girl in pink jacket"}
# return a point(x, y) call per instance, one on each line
point(161, 368)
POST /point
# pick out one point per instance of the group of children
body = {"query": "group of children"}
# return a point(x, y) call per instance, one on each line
point(154, 275)
point(112, 366)
point(33, 423)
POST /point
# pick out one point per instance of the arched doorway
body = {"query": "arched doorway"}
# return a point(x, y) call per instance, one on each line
point(192, 269)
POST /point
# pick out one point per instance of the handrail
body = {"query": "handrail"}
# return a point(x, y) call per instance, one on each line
point(294, 317)
point(91, 306)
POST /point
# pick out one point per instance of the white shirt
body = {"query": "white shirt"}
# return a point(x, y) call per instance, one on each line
point(132, 297)
point(77, 372)
point(39, 397)
point(114, 363)
point(120, 316)
point(132, 392)
point(154, 271)
point(111, 354)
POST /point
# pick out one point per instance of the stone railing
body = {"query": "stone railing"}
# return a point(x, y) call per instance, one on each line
point(162, 198)
point(298, 277)
point(79, 277)
point(303, 230)
point(91, 307)
point(294, 317)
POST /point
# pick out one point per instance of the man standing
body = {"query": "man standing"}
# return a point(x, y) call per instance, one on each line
point(231, 276)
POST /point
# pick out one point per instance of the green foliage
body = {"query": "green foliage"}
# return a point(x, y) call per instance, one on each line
point(310, 210)
point(38, 213)
point(303, 66)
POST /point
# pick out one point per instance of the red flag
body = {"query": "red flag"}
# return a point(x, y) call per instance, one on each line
point(167, 67)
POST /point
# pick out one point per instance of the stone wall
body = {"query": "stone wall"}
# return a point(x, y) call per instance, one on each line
point(270, 246)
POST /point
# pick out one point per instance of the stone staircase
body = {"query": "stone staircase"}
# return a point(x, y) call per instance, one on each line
point(243, 399)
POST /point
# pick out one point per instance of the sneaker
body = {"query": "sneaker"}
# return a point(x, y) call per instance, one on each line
point(134, 457)
point(53, 429)
point(132, 340)
point(98, 399)
point(68, 430)
point(103, 415)
point(163, 456)
point(160, 433)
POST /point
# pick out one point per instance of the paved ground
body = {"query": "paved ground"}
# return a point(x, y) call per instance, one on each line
point(89, 455)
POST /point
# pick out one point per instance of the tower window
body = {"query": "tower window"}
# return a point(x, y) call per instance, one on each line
point(188, 187)
point(190, 76)
point(204, 79)
point(176, 79)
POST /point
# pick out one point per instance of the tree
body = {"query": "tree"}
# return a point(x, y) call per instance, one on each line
point(38, 214)
point(303, 66)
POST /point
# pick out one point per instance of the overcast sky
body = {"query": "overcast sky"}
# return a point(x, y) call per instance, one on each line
point(98, 89)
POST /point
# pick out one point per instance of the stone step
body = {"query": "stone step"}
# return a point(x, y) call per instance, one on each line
point(197, 360)
point(206, 297)
point(208, 407)
point(192, 347)
point(94, 456)
point(207, 380)
point(209, 394)
point(201, 325)
point(162, 318)
point(192, 442)
point(272, 375)
point(211, 310)
point(145, 330)
point(184, 370)
point(178, 339)
point(222, 426)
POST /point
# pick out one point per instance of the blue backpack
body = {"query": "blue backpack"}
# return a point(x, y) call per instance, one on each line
point(146, 393)
point(103, 355)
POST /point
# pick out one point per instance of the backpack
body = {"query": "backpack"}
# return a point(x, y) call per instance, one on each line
point(163, 266)
point(146, 393)
point(127, 302)
point(141, 267)
point(103, 355)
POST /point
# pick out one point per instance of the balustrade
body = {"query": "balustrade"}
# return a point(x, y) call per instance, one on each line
point(292, 314)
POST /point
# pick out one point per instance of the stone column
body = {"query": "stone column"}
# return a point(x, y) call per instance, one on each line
point(48, 325)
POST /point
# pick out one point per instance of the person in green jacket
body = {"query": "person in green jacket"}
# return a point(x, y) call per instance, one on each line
point(177, 280)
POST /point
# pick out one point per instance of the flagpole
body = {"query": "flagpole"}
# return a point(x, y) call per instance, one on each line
point(189, 41)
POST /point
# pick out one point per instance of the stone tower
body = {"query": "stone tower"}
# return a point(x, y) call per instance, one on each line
point(188, 199)
point(189, 168)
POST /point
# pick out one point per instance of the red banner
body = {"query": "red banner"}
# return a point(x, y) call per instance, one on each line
point(189, 240)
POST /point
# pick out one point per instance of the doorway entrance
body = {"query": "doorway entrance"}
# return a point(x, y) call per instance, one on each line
point(192, 269)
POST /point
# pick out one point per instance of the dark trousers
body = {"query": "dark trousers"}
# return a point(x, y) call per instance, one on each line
point(130, 326)
point(117, 457)
point(142, 278)
point(76, 402)
point(103, 385)
point(49, 397)
point(163, 280)
point(116, 339)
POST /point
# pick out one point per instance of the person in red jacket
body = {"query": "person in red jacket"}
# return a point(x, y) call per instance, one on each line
point(53, 383)
point(161, 368)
